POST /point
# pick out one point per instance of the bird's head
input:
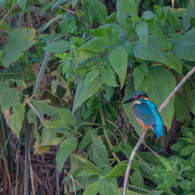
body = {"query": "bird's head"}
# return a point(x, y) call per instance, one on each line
point(136, 96)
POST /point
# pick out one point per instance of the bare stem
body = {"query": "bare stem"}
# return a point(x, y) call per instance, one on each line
point(130, 161)
point(143, 134)
point(7, 14)
point(176, 89)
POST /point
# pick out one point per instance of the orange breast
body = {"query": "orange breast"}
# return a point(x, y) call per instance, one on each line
point(141, 123)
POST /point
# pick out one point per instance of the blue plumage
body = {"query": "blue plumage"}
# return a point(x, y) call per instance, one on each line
point(146, 112)
point(157, 122)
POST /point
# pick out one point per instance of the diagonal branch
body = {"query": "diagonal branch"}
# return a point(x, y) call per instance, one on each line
point(143, 134)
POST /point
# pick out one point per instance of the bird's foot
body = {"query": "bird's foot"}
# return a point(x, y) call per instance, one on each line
point(144, 131)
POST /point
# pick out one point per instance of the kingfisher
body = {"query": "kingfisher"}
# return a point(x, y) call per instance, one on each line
point(146, 113)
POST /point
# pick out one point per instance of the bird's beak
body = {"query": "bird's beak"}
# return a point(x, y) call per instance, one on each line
point(129, 100)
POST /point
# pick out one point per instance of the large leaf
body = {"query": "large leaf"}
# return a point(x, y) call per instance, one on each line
point(108, 77)
point(85, 91)
point(158, 84)
point(118, 58)
point(142, 31)
point(19, 41)
point(129, 7)
point(185, 46)
point(121, 16)
point(157, 50)
point(13, 110)
point(95, 9)
point(66, 148)
point(58, 47)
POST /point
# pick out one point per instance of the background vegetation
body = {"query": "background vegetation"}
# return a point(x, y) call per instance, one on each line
point(66, 67)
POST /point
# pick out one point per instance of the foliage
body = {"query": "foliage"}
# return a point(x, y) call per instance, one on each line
point(178, 172)
point(67, 69)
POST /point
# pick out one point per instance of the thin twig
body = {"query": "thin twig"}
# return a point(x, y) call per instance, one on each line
point(7, 14)
point(73, 179)
point(176, 89)
point(73, 184)
point(130, 161)
point(143, 134)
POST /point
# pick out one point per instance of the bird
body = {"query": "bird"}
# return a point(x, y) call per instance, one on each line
point(146, 113)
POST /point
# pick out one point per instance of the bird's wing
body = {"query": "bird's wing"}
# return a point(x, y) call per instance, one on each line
point(144, 113)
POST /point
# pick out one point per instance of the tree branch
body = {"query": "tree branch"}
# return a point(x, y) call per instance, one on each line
point(143, 134)
point(176, 89)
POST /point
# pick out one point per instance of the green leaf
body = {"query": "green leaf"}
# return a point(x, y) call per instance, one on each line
point(68, 24)
point(177, 146)
point(57, 3)
point(59, 16)
point(66, 116)
point(148, 15)
point(99, 152)
point(158, 85)
point(95, 9)
point(185, 184)
point(90, 48)
point(122, 18)
point(85, 91)
point(87, 139)
point(118, 170)
point(92, 189)
point(118, 58)
point(49, 136)
point(86, 165)
point(94, 73)
point(153, 52)
point(19, 40)
point(193, 103)
point(43, 108)
point(22, 4)
point(107, 188)
point(108, 77)
point(137, 179)
point(13, 110)
point(142, 31)
point(66, 148)
point(186, 150)
point(185, 46)
point(181, 104)
point(40, 75)
point(96, 45)
point(129, 7)
point(139, 75)
point(57, 47)
point(173, 20)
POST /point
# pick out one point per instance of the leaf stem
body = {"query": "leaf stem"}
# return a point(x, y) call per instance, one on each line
point(106, 135)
